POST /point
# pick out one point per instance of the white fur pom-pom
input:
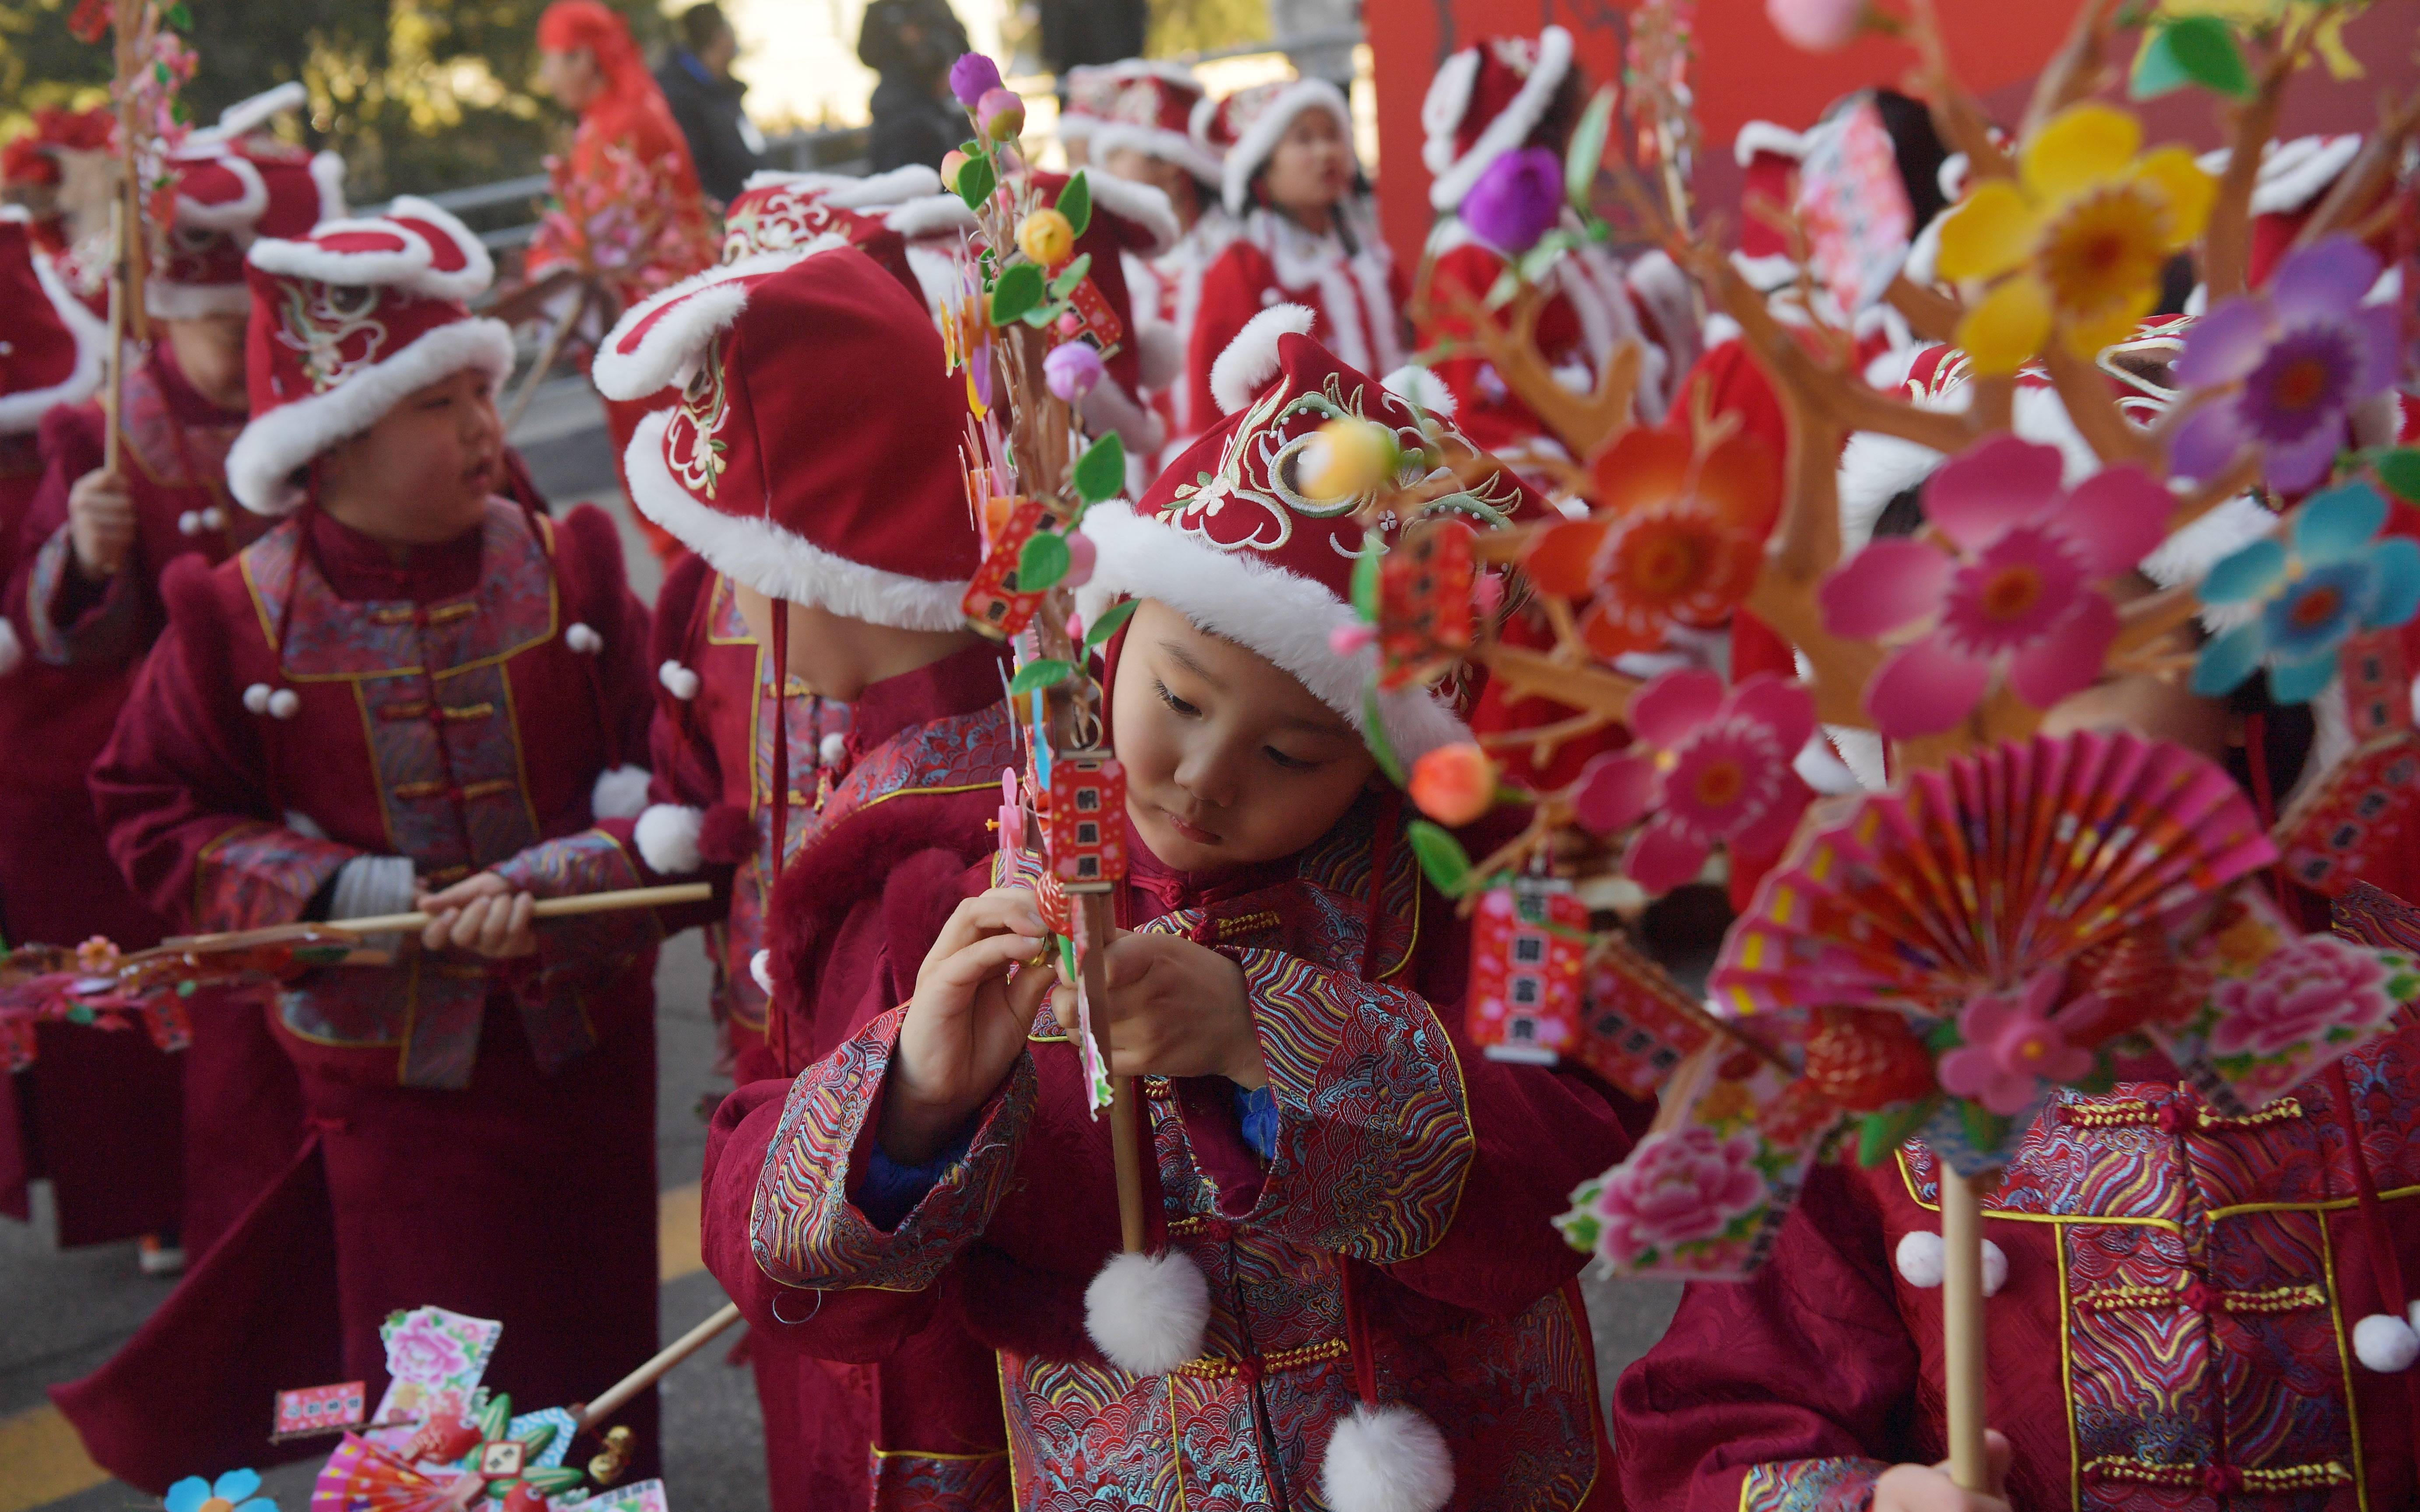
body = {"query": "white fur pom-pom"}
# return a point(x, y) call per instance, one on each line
point(1244, 368)
point(214, 519)
point(760, 966)
point(1148, 1312)
point(833, 749)
point(667, 836)
point(284, 704)
point(1386, 1460)
point(1418, 385)
point(1919, 1259)
point(190, 523)
point(1996, 1268)
point(2386, 1343)
point(583, 639)
point(679, 681)
point(256, 698)
point(620, 793)
point(12, 651)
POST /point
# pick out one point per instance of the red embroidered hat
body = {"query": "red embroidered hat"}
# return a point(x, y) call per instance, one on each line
point(1768, 155)
point(812, 454)
point(2295, 176)
point(51, 346)
point(233, 186)
point(1227, 538)
point(1485, 101)
point(345, 322)
point(785, 211)
point(1246, 127)
point(1140, 106)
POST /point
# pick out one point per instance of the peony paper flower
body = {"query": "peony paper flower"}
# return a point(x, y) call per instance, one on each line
point(1817, 25)
point(1072, 370)
point(2013, 1048)
point(2332, 583)
point(1516, 201)
point(2077, 242)
point(2298, 996)
point(1675, 539)
point(1709, 766)
point(972, 77)
point(2296, 357)
point(1678, 1186)
point(231, 1492)
point(2013, 588)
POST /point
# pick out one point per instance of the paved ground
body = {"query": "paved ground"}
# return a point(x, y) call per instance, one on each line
point(62, 1313)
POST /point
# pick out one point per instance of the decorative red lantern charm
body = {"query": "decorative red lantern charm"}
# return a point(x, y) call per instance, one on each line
point(1527, 942)
point(1096, 322)
point(993, 605)
point(1424, 617)
point(2377, 684)
point(1638, 1026)
point(1086, 823)
point(2365, 809)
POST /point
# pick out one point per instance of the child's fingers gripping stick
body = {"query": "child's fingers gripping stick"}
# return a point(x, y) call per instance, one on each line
point(1001, 910)
point(1929, 1488)
point(963, 1032)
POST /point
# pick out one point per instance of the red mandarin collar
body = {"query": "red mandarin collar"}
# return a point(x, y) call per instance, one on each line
point(1154, 888)
point(359, 568)
point(959, 682)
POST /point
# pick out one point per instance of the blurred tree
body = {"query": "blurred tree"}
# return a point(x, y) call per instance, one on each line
point(419, 95)
point(1199, 25)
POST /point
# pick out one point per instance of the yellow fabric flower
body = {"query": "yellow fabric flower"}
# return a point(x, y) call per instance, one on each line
point(2074, 244)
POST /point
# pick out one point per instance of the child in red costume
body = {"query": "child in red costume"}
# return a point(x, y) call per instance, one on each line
point(408, 680)
point(1387, 1320)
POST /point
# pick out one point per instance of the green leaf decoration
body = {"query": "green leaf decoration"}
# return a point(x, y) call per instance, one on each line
point(1985, 1129)
point(1882, 1130)
point(1365, 583)
point(1018, 289)
point(976, 181)
point(1078, 268)
point(554, 1480)
point(1588, 147)
point(2399, 469)
point(2191, 50)
point(1066, 958)
point(188, 988)
point(540, 1437)
point(1442, 858)
point(1043, 561)
point(1040, 315)
point(495, 1415)
point(1373, 734)
point(972, 148)
point(1113, 620)
point(1500, 293)
point(1047, 672)
point(1075, 202)
point(1101, 471)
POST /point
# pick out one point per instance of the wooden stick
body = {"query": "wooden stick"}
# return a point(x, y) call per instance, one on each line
point(546, 358)
point(1125, 1112)
point(115, 358)
point(1962, 1318)
point(596, 1412)
point(593, 902)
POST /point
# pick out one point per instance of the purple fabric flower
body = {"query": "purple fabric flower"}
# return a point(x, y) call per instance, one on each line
point(1515, 201)
point(2294, 360)
point(972, 77)
point(1072, 370)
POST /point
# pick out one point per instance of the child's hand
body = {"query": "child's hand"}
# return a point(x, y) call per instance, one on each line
point(100, 523)
point(1176, 1009)
point(967, 1024)
point(1916, 1488)
point(481, 913)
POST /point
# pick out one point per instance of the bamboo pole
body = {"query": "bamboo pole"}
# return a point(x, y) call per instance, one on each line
point(114, 359)
point(1962, 1320)
point(546, 357)
point(594, 902)
point(596, 1412)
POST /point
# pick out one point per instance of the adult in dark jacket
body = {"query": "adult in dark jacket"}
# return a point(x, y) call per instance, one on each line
point(911, 44)
point(705, 99)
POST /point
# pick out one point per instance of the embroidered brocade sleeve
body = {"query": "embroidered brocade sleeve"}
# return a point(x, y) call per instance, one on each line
point(581, 954)
point(79, 625)
point(804, 1228)
point(1811, 1486)
point(255, 876)
point(1373, 1137)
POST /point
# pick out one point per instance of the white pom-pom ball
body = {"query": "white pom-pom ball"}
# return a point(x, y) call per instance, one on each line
point(214, 519)
point(760, 966)
point(12, 651)
point(620, 793)
point(2386, 1343)
point(256, 698)
point(583, 639)
point(1386, 1460)
point(679, 681)
point(667, 838)
point(284, 704)
point(190, 522)
point(1148, 1312)
point(1920, 1260)
point(833, 749)
point(1996, 1268)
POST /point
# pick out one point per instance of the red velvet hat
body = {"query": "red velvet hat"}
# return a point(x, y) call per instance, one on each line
point(347, 321)
point(813, 452)
point(785, 211)
point(1768, 155)
point(233, 186)
point(2295, 176)
point(1485, 101)
point(1140, 106)
point(1227, 538)
point(51, 346)
point(1246, 127)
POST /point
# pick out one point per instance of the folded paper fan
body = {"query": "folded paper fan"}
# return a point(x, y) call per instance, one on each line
point(1974, 878)
point(361, 1477)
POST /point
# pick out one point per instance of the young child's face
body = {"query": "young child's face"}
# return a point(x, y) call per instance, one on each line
point(1312, 168)
point(1229, 760)
point(424, 473)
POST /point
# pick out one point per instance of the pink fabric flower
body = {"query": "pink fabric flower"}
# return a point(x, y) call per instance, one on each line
point(419, 1352)
point(1677, 1187)
point(2011, 593)
point(2013, 1047)
point(2309, 987)
point(1709, 766)
point(1817, 25)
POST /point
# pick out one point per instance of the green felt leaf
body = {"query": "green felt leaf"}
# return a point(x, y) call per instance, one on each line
point(1017, 290)
point(1071, 275)
point(1365, 583)
point(1588, 147)
point(1500, 293)
point(2191, 50)
point(1040, 315)
point(2399, 469)
point(976, 181)
point(1047, 672)
point(554, 1480)
point(1373, 734)
point(972, 148)
point(1442, 858)
point(1884, 1130)
point(1112, 619)
point(1043, 561)
point(1101, 471)
point(1075, 202)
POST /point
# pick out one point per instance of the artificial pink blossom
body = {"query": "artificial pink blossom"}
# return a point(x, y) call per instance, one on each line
point(2012, 591)
point(1817, 25)
point(2014, 1047)
point(1678, 1187)
point(2317, 982)
point(1707, 766)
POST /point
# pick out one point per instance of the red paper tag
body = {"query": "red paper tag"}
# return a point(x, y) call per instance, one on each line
point(993, 605)
point(1086, 828)
point(2362, 811)
point(1527, 941)
point(1637, 1027)
point(319, 1409)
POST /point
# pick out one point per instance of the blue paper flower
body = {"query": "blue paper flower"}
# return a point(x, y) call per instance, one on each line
point(2336, 581)
point(232, 1493)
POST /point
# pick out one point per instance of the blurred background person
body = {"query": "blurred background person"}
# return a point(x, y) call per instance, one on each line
point(704, 100)
point(910, 44)
point(1079, 32)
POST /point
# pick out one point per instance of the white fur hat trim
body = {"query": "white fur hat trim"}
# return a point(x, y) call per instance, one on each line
point(1144, 207)
point(23, 411)
point(931, 215)
point(1244, 368)
point(410, 266)
point(1765, 136)
point(667, 838)
point(1386, 1459)
point(874, 191)
point(709, 303)
point(620, 793)
point(1508, 131)
point(1178, 148)
point(1147, 1313)
point(1421, 387)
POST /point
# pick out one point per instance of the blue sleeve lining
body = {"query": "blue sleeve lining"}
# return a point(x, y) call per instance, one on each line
point(1256, 1111)
point(892, 1191)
